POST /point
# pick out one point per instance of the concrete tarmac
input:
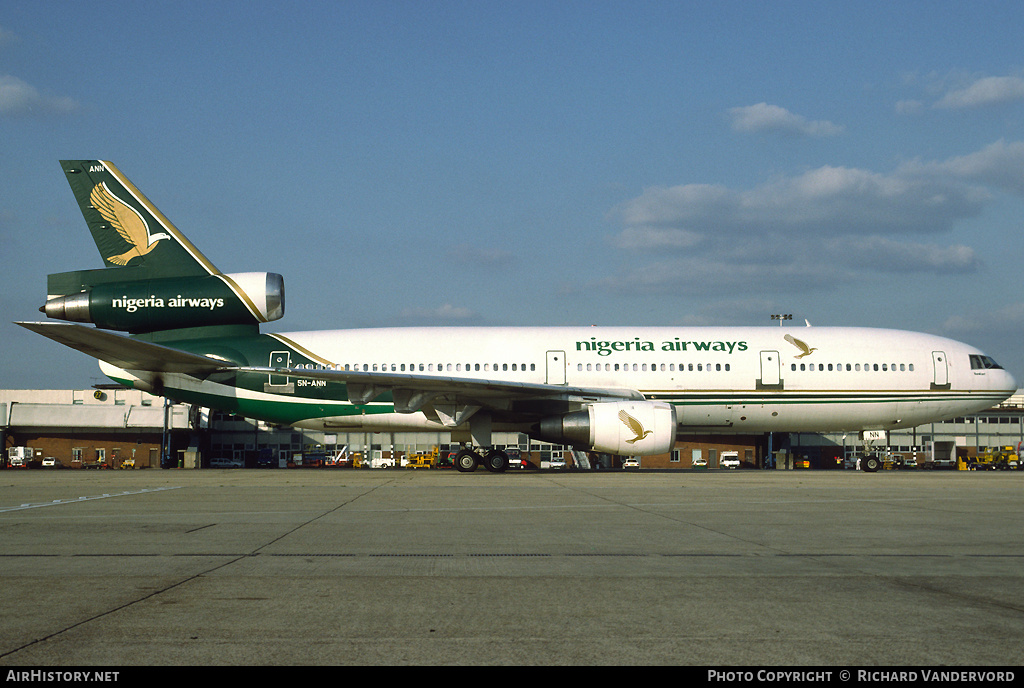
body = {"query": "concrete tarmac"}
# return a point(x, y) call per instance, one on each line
point(400, 567)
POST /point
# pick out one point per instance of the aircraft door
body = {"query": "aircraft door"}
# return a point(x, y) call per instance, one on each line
point(941, 379)
point(278, 359)
point(771, 370)
point(556, 368)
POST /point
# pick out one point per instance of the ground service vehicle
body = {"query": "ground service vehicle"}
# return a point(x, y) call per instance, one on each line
point(18, 457)
point(423, 459)
point(998, 459)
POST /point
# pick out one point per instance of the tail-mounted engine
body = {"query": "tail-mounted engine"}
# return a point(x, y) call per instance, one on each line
point(625, 428)
point(148, 305)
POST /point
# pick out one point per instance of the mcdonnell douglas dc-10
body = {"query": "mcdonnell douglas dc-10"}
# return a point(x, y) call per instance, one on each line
point(194, 336)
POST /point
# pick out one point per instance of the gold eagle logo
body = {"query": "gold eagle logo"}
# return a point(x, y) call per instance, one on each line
point(807, 350)
point(128, 223)
point(634, 426)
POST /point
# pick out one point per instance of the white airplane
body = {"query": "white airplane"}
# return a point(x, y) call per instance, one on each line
point(194, 337)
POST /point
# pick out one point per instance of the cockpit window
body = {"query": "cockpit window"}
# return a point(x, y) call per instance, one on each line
point(979, 362)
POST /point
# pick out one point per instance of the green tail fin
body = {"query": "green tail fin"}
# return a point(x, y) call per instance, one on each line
point(128, 229)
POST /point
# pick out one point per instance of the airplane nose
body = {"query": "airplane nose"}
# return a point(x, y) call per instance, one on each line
point(1006, 383)
point(1011, 383)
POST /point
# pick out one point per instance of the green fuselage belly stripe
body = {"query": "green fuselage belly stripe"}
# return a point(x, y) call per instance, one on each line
point(286, 411)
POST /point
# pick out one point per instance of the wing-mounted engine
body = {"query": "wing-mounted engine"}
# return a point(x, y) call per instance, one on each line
point(625, 428)
point(148, 305)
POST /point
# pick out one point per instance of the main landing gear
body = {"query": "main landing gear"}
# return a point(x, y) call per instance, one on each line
point(494, 460)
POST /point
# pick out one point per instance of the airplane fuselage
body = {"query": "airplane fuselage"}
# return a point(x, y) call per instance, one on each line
point(720, 379)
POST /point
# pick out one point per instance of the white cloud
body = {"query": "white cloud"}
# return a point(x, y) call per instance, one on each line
point(826, 199)
point(772, 118)
point(999, 164)
point(992, 90)
point(881, 254)
point(20, 98)
point(813, 231)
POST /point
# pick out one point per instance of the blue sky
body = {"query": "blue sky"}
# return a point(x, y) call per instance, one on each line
point(535, 163)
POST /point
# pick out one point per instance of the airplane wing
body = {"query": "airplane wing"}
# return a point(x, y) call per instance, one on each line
point(126, 353)
point(365, 386)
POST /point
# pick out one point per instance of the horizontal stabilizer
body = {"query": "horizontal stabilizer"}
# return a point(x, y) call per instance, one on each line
point(126, 353)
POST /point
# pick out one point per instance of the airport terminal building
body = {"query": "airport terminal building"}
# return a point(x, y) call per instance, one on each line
point(121, 428)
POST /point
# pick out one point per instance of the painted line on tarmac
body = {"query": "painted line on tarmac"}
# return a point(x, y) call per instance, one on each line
point(59, 502)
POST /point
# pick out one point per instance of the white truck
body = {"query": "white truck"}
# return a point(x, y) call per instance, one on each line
point(18, 457)
point(729, 459)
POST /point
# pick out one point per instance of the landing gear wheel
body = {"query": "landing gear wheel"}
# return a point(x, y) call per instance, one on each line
point(496, 461)
point(870, 464)
point(466, 461)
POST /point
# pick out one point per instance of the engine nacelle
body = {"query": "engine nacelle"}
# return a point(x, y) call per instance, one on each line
point(625, 428)
point(147, 305)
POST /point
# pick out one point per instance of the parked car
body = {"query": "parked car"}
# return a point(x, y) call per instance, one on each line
point(631, 462)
